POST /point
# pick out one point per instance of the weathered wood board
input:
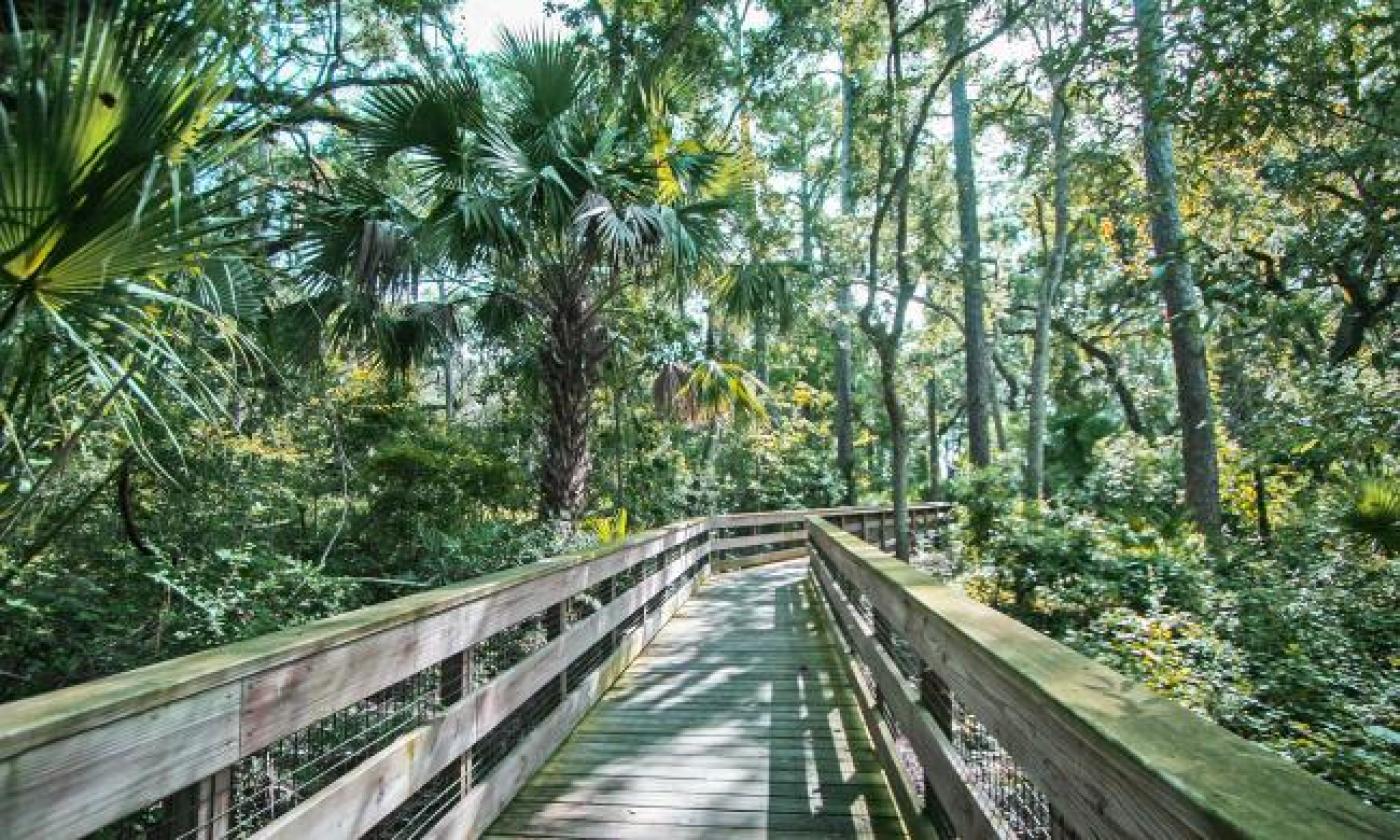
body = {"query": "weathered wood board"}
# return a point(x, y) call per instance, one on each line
point(738, 720)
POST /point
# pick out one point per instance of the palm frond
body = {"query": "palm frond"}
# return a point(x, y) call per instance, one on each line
point(709, 392)
point(1375, 511)
point(114, 215)
point(431, 122)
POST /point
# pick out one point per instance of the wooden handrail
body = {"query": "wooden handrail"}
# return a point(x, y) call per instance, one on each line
point(1112, 759)
point(78, 759)
point(67, 757)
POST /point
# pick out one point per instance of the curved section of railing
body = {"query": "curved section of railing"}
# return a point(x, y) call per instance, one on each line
point(1007, 733)
point(416, 717)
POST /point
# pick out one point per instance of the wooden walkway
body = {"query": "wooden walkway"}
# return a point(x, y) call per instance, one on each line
point(736, 722)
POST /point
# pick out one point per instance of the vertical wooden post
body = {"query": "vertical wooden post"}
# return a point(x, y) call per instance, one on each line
point(554, 621)
point(456, 683)
point(937, 699)
point(201, 811)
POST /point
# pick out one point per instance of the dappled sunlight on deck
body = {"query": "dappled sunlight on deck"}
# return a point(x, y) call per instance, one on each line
point(737, 719)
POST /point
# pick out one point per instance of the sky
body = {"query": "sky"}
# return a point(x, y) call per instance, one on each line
point(480, 20)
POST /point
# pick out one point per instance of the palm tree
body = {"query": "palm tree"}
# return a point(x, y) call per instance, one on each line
point(565, 194)
point(118, 269)
point(762, 293)
point(361, 262)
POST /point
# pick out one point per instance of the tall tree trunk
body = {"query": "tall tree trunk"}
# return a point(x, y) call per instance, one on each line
point(447, 391)
point(899, 450)
point(127, 508)
point(974, 324)
point(1179, 290)
point(935, 459)
point(1045, 303)
point(620, 456)
point(569, 369)
point(994, 403)
point(760, 347)
point(845, 436)
point(845, 433)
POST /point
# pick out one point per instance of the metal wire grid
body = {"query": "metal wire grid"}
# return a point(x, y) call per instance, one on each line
point(493, 748)
point(503, 650)
point(274, 780)
point(988, 768)
point(589, 601)
point(416, 816)
point(428, 805)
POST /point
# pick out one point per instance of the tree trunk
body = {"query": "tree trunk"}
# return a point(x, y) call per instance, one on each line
point(569, 370)
point(845, 433)
point(935, 460)
point(994, 403)
point(620, 456)
point(899, 450)
point(1261, 506)
point(447, 394)
point(1045, 303)
point(760, 347)
point(1179, 290)
point(974, 326)
point(127, 508)
point(845, 437)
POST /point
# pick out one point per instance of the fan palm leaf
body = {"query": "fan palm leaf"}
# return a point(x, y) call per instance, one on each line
point(116, 236)
point(708, 393)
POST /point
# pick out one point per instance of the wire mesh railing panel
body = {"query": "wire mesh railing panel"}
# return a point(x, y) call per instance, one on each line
point(272, 781)
point(429, 804)
point(1013, 802)
point(263, 786)
point(500, 652)
point(496, 745)
point(992, 772)
point(589, 601)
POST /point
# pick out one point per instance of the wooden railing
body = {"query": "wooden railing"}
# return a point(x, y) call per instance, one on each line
point(747, 539)
point(420, 716)
point(423, 716)
point(446, 700)
point(991, 729)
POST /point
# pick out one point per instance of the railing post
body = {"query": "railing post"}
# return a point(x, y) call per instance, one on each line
point(456, 683)
point(937, 699)
point(201, 811)
point(554, 621)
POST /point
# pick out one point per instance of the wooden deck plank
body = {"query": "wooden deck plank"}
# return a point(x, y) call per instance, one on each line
point(737, 720)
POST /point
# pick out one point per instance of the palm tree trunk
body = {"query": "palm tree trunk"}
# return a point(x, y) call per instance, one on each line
point(974, 325)
point(1179, 290)
point(569, 370)
point(1045, 304)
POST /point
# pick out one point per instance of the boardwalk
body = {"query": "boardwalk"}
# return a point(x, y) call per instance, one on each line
point(736, 722)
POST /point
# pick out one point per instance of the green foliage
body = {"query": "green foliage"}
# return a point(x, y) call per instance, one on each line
point(457, 265)
point(117, 232)
point(1292, 643)
point(608, 529)
point(1375, 512)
